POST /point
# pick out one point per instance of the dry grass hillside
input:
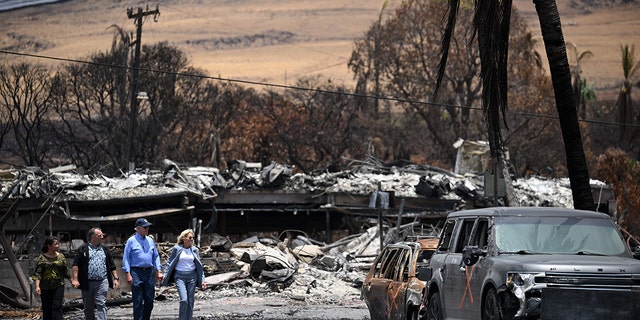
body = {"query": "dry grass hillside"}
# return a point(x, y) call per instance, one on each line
point(598, 26)
point(258, 40)
point(279, 41)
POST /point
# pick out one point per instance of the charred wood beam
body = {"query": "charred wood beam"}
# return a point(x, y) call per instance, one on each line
point(6, 244)
point(10, 297)
point(130, 216)
point(266, 197)
point(174, 199)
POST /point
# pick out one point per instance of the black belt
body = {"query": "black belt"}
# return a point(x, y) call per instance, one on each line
point(142, 268)
point(96, 279)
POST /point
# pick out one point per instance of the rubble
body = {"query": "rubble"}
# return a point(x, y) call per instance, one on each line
point(296, 277)
point(300, 269)
point(408, 181)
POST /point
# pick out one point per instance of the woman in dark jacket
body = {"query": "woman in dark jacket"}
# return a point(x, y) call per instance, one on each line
point(185, 269)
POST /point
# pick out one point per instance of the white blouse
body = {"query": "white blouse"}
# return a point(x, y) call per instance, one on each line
point(186, 261)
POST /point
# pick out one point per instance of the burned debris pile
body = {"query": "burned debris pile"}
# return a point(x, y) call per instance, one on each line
point(410, 180)
point(302, 269)
point(251, 198)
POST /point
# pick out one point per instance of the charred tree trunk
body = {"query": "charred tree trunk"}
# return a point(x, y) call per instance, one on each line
point(565, 103)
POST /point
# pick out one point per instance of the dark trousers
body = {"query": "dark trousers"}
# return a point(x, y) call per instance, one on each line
point(52, 303)
point(143, 292)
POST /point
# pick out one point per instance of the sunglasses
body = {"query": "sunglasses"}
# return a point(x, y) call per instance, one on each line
point(190, 238)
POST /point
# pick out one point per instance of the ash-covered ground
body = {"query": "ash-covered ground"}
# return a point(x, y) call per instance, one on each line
point(315, 295)
point(335, 303)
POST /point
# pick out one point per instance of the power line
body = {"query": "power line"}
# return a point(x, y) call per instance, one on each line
point(289, 87)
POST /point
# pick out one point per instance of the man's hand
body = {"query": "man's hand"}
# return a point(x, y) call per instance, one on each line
point(160, 276)
point(75, 283)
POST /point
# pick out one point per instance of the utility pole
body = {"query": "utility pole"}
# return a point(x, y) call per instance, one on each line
point(376, 59)
point(138, 20)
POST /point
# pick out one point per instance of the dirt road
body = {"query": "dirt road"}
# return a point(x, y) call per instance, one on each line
point(250, 307)
point(263, 308)
point(324, 300)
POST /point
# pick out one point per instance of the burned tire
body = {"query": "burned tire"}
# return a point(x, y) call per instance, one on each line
point(490, 308)
point(412, 313)
point(434, 309)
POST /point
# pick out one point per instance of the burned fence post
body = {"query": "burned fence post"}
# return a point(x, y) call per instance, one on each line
point(327, 221)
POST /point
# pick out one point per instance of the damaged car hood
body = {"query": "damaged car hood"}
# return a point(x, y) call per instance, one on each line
point(569, 263)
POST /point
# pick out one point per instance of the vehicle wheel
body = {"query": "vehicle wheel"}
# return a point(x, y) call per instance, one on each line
point(491, 310)
point(434, 309)
point(412, 313)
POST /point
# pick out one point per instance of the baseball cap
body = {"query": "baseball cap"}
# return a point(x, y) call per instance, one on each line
point(142, 222)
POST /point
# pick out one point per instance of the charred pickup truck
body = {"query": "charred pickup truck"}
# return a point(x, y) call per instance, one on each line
point(393, 287)
point(532, 263)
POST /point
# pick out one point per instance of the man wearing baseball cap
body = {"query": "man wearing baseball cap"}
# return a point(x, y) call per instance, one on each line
point(141, 261)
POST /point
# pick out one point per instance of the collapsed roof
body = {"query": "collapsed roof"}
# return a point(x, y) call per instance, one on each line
point(417, 191)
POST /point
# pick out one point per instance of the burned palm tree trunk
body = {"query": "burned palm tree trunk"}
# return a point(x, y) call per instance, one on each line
point(554, 43)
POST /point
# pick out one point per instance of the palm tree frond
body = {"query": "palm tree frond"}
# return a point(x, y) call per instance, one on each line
point(585, 54)
point(493, 27)
point(452, 13)
point(385, 3)
point(629, 67)
point(505, 24)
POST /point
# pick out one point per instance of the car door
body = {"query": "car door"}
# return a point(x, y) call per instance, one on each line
point(439, 262)
point(398, 287)
point(457, 294)
point(475, 275)
point(376, 287)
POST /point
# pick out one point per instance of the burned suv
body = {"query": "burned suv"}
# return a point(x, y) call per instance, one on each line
point(532, 263)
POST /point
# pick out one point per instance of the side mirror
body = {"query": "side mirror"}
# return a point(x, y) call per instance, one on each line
point(471, 255)
point(424, 273)
point(636, 252)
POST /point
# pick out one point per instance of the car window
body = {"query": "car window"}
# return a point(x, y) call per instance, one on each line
point(464, 235)
point(403, 266)
point(558, 235)
point(425, 255)
point(386, 261)
point(378, 263)
point(481, 235)
point(447, 234)
point(389, 267)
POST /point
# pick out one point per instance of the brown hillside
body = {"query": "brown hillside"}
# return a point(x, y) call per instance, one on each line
point(278, 41)
point(600, 27)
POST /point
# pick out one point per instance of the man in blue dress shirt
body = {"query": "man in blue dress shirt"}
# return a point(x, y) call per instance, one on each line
point(141, 262)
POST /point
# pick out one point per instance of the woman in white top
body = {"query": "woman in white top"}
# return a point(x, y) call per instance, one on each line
point(184, 268)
